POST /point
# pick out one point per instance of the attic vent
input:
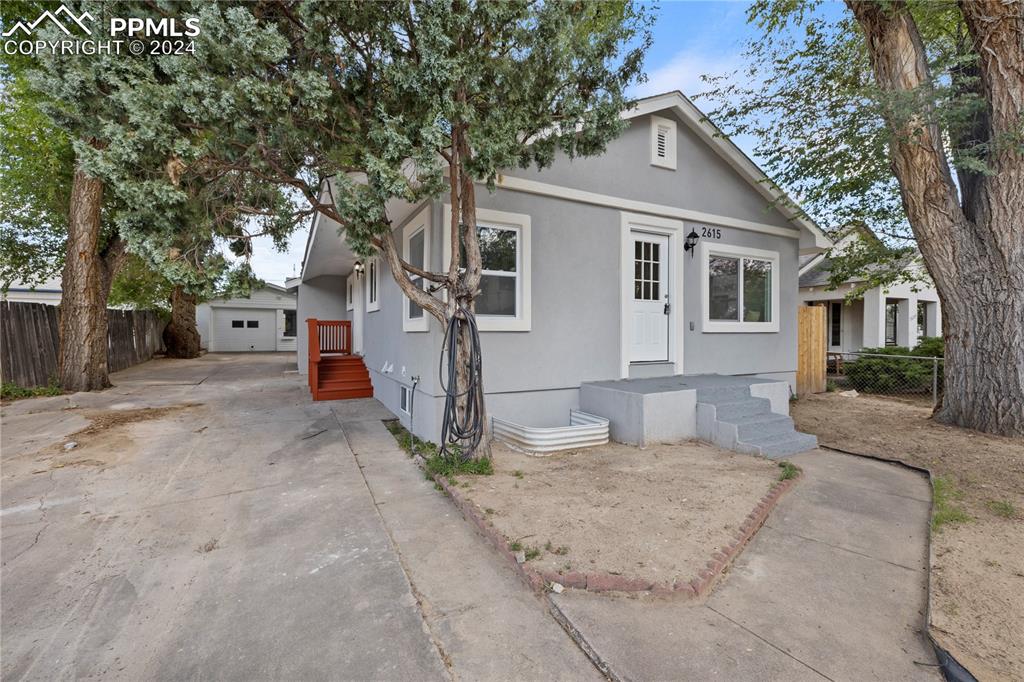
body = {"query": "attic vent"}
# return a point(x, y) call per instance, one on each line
point(663, 142)
point(662, 150)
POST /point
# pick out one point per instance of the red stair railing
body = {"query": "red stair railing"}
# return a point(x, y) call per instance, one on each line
point(326, 337)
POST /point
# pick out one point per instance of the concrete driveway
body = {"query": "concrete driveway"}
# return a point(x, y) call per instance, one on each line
point(214, 523)
point(229, 534)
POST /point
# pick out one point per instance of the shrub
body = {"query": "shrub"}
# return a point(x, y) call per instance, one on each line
point(874, 374)
point(11, 391)
point(930, 346)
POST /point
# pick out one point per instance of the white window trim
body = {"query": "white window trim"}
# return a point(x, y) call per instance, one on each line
point(350, 292)
point(709, 249)
point(518, 221)
point(372, 271)
point(674, 229)
point(421, 221)
point(669, 160)
point(406, 392)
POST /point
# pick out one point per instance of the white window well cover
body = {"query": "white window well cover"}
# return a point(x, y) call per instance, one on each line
point(584, 430)
point(663, 142)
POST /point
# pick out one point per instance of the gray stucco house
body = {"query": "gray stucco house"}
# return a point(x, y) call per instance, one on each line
point(587, 279)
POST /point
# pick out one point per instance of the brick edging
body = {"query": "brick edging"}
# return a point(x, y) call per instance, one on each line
point(694, 588)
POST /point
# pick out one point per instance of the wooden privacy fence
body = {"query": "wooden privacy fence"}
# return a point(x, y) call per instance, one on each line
point(810, 354)
point(29, 341)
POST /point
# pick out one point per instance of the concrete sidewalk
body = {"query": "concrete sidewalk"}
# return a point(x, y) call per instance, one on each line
point(481, 615)
point(833, 587)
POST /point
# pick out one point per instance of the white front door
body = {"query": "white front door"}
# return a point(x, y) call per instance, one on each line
point(650, 314)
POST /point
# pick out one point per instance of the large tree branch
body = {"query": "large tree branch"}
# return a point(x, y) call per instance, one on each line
point(408, 287)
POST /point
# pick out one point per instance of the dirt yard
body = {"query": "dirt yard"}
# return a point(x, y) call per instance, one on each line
point(582, 511)
point(978, 541)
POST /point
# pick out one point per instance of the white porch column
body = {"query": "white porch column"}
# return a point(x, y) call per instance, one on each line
point(933, 318)
point(874, 319)
point(906, 322)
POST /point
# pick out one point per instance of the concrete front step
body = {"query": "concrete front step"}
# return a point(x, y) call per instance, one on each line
point(723, 394)
point(760, 425)
point(749, 407)
point(730, 417)
point(782, 444)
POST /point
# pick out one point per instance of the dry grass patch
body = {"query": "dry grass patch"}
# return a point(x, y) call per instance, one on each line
point(978, 543)
point(656, 513)
point(107, 440)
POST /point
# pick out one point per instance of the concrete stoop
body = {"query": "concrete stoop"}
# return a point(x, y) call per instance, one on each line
point(731, 418)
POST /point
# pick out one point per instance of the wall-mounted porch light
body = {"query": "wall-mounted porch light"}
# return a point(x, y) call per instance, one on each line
point(358, 268)
point(691, 242)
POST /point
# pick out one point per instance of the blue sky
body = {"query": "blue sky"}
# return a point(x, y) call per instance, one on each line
point(690, 39)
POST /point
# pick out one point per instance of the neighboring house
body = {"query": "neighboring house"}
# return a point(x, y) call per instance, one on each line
point(263, 321)
point(586, 277)
point(897, 315)
point(47, 292)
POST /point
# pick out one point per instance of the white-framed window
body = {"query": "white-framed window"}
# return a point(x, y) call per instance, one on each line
point(372, 284)
point(404, 398)
point(350, 292)
point(740, 288)
point(504, 300)
point(663, 142)
point(416, 252)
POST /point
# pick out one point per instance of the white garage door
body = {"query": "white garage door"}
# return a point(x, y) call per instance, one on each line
point(243, 329)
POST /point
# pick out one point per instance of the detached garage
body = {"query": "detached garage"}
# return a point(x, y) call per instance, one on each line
point(264, 321)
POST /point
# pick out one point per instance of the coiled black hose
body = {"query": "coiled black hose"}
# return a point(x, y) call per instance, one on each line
point(465, 432)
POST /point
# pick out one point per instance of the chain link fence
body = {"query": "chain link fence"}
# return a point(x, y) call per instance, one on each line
point(913, 378)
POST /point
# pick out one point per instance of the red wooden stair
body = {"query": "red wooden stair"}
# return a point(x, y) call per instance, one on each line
point(341, 377)
point(334, 373)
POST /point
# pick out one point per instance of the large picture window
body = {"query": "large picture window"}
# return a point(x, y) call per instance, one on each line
point(741, 289)
point(416, 252)
point(504, 300)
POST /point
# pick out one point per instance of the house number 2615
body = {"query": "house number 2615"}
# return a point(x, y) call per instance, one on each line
point(711, 232)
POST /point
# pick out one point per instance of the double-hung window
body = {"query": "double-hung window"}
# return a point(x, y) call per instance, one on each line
point(416, 252)
point(740, 289)
point(372, 284)
point(503, 303)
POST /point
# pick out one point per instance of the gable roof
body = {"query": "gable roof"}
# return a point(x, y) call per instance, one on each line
point(707, 131)
point(816, 270)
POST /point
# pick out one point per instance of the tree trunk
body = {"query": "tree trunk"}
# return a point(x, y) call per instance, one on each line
point(85, 286)
point(467, 289)
point(180, 336)
point(974, 249)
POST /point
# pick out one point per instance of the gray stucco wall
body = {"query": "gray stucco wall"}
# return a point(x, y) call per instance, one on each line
point(702, 181)
point(771, 354)
point(320, 297)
